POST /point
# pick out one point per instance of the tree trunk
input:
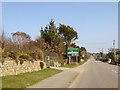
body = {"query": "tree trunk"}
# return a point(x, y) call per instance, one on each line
point(66, 50)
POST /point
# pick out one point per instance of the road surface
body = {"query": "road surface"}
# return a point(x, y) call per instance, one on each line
point(96, 74)
point(92, 74)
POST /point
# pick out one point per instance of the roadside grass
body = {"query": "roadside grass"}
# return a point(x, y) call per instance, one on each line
point(72, 65)
point(26, 79)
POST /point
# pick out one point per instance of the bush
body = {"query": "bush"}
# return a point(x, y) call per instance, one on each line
point(13, 54)
point(5, 54)
point(2, 60)
point(110, 55)
point(25, 56)
point(17, 61)
point(37, 55)
point(21, 60)
point(40, 54)
point(32, 55)
point(62, 61)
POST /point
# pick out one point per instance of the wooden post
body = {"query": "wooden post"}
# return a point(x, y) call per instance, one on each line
point(76, 58)
point(69, 59)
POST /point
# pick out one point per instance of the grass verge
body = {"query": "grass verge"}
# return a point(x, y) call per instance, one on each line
point(26, 79)
point(72, 65)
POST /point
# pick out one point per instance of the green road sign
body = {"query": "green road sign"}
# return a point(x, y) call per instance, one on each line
point(73, 52)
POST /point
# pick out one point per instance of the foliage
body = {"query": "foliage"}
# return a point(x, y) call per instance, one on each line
point(20, 37)
point(2, 60)
point(17, 61)
point(40, 54)
point(111, 55)
point(13, 54)
point(37, 54)
point(83, 49)
point(5, 54)
point(21, 60)
point(51, 36)
point(25, 56)
point(32, 55)
point(68, 34)
point(62, 61)
point(40, 43)
point(52, 40)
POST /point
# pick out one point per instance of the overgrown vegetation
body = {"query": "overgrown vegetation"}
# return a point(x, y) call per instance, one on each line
point(52, 42)
point(110, 55)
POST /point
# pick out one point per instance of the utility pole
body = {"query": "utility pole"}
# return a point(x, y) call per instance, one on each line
point(114, 50)
point(102, 54)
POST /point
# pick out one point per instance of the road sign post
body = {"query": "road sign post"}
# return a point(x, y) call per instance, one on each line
point(73, 52)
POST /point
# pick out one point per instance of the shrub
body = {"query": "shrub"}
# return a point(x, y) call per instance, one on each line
point(17, 61)
point(13, 54)
point(110, 55)
point(62, 61)
point(5, 54)
point(2, 60)
point(37, 55)
point(32, 55)
point(25, 56)
point(21, 60)
point(40, 54)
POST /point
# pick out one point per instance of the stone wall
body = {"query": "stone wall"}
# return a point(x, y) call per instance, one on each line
point(10, 67)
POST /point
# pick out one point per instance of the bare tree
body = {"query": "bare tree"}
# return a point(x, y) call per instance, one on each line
point(20, 37)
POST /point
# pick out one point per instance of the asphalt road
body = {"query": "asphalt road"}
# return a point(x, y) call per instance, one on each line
point(92, 74)
point(96, 74)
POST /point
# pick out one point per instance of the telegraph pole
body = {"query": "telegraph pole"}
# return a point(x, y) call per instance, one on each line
point(102, 54)
point(114, 50)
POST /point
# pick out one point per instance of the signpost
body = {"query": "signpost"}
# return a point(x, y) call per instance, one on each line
point(73, 52)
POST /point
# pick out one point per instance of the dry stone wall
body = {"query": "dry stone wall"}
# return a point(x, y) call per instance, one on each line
point(10, 67)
